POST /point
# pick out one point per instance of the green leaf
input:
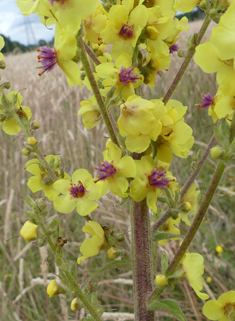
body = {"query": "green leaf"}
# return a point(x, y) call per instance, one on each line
point(168, 305)
point(166, 235)
point(154, 147)
point(111, 265)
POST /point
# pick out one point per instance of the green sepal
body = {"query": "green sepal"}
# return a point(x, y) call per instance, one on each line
point(168, 305)
point(225, 131)
point(52, 224)
point(166, 235)
point(111, 265)
point(29, 201)
point(154, 148)
point(164, 263)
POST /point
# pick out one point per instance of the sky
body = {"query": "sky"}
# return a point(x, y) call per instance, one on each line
point(24, 29)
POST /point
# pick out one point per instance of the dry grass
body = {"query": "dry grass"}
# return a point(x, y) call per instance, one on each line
point(24, 272)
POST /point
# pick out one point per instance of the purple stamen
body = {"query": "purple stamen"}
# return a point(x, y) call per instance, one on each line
point(207, 101)
point(48, 59)
point(174, 48)
point(77, 190)
point(126, 31)
point(105, 170)
point(126, 75)
point(158, 179)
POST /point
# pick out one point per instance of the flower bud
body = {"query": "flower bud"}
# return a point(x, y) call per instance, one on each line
point(29, 231)
point(35, 125)
point(112, 253)
point(216, 152)
point(32, 141)
point(186, 206)
point(2, 64)
point(53, 289)
point(6, 85)
point(26, 151)
point(208, 279)
point(219, 249)
point(75, 304)
point(161, 280)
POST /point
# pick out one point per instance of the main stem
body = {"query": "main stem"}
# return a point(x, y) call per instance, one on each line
point(142, 265)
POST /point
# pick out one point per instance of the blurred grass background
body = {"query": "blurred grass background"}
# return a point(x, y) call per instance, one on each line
point(25, 268)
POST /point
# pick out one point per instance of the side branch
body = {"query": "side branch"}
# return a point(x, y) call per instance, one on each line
point(187, 60)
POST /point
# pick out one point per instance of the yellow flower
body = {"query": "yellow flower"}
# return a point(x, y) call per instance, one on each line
point(9, 125)
point(122, 75)
point(41, 179)
point(92, 246)
point(219, 249)
point(124, 27)
point(186, 5)
point(80, 194)
point(218, 54)
point(176, 136)
point(192, 264)
point(65, 48)
point(29, 231)
point(113, 171)
point(140, 122)
point(90, 112)
point(94, 24)
point(222, 309)
point(149, 182)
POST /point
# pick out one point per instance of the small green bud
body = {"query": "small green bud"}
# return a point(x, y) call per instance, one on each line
point(32, 141)
point(216, 152)
point(181, 53)
point(26, 151)
point(120, 237)
point(14, 99)
point(110, 93)
point(47, 181)
point(6, 85)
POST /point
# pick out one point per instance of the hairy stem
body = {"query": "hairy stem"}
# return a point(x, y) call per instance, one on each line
point(142, 265)
point(187, 60)
point(39, 153)
point(198, 219)
point(97, 93)
point(90, 53)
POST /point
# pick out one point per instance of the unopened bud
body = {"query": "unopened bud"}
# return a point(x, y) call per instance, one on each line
point(35, 125)
point(26, 152)
point(161, 280)
point(112, 253)
point(53, 289)
point(32, 141)
point(76, 305)
point(186, 206)
point(216, 152)
point(2, 64)
point(29, 231)
point(6, 85)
